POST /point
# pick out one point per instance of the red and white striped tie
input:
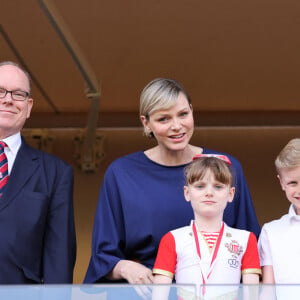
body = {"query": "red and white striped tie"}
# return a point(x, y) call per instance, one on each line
point(3, 168)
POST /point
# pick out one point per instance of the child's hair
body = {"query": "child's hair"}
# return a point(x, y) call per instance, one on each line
point(289, 156)
point(197, 169)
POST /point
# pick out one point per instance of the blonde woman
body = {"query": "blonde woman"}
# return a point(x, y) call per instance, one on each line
point(141, 197)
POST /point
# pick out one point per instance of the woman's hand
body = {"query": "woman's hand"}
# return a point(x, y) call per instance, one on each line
point(133, 272)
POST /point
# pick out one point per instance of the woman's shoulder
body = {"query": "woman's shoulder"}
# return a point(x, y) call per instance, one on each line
point(123, 166)
point(137, 165)
point(129, 157)
point(132, 162)
point(128, 160)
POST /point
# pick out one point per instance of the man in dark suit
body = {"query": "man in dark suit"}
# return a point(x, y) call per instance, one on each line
point(37, 232)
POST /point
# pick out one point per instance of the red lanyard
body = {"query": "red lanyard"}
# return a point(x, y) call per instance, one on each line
point(215, 251)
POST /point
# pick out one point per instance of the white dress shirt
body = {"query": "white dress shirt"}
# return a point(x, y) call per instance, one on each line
point(13, 145)
point(279, 246)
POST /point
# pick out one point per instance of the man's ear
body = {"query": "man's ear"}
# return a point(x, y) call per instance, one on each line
point(186, 193)
point(281, 182)
point(30, 104)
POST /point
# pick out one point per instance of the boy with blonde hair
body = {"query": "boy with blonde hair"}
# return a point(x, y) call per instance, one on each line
point(279, 244)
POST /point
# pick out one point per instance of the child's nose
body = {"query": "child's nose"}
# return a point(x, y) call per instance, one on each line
point(209, 190)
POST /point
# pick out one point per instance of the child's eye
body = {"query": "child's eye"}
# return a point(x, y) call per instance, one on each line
point(200, 186)
point(183, 114)
point(292, 183)
point(219, 186)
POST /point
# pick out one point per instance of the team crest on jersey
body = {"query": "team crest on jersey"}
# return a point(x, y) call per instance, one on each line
point(235, 249)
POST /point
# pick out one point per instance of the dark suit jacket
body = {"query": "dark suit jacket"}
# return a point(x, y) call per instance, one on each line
point(37, 232)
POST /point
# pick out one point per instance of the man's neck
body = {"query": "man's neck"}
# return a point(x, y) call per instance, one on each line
point(5, 134)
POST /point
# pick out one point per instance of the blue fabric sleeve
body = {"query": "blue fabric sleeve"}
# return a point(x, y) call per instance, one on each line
point(108, 233)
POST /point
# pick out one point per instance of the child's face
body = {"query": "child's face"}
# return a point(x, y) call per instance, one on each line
point(290, 184)
point(209, 197)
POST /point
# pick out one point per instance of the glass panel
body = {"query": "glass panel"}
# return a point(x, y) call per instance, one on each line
point(161, 292)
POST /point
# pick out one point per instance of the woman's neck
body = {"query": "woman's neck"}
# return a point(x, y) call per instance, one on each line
point(173, 158)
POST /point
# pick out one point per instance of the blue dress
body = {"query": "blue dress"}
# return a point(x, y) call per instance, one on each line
point(140, 201)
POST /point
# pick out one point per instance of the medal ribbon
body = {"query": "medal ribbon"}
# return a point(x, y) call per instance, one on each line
point(214, 254)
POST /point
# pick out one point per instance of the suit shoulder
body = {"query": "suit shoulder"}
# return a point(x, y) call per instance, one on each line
point(48, 159)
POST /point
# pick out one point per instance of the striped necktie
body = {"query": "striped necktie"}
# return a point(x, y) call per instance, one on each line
point(3, 168)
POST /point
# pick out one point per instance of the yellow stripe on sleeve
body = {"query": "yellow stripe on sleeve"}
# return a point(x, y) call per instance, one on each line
point(163, 272)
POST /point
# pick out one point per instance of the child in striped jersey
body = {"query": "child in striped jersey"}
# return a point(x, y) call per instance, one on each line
point(208, 251)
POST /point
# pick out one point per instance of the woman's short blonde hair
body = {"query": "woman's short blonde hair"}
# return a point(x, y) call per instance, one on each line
point(289, 156)
point(160, 93)
point(197, 169)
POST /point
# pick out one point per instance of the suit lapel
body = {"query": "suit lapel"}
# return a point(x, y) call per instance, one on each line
point(24, 167)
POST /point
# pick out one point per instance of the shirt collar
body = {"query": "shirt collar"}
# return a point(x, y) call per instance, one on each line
point(13, 142)
point(292, 214)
